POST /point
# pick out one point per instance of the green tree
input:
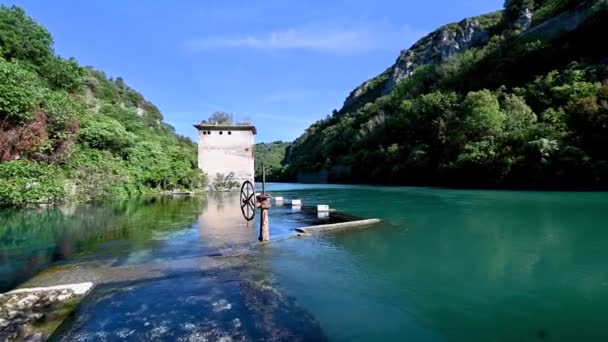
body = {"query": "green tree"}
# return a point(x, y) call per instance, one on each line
point(220, 118)
point(105, 133)
point(24, 182)
point(481, 116)
point(519, 115)
point(20, 92)
point(63, 74)
point(21, 38)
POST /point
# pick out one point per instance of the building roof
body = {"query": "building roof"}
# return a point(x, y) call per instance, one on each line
point(213, 127)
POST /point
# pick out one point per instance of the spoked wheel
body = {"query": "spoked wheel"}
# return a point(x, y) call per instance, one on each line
point(248, 201)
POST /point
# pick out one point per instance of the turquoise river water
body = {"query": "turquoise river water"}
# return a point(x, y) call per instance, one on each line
point(444, 265)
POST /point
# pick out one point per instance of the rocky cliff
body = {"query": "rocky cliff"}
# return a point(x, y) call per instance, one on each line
point(472, 102)
point(435, 47)
point(453, 38)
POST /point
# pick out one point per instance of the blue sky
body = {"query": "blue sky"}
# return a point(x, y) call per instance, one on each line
point(281, 64)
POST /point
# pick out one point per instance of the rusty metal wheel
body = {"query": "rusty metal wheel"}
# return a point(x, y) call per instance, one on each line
point(248, 200)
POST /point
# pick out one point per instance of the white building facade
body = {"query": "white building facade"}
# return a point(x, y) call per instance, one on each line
point(226, 148)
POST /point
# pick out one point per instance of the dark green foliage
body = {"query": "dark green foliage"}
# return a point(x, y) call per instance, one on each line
point(63, 74)
point(514, 8)
point(523, 110)
point(481, 116)
point(588, 118)
point(105, 134)
point(20, 92)
point(22, 39)
point(72, 133)
point(547, 9)
point(221, 118)
point(271, 155)
point(23, 182)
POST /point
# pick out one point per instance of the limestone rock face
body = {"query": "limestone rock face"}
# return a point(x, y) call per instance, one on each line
point(439, 45)
point(436, 47)
point(524, 20)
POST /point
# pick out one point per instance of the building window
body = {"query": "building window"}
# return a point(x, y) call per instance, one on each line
point(229, 133)
point(204, 132)
point(208, 132)
point(221, 132)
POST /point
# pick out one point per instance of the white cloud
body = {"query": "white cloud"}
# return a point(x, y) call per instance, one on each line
point(331, 40)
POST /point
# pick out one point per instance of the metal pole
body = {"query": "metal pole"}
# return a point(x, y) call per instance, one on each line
point(264, 204)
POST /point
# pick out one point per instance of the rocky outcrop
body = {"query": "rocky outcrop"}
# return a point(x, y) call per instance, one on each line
point(434, 48)
point(565, 22)
point(524, 20)
point(453, 38)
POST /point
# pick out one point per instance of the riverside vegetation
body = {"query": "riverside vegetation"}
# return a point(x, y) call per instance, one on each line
point(514, 98)
point(69, 132)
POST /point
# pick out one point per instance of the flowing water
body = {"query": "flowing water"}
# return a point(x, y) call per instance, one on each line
point(444, 265)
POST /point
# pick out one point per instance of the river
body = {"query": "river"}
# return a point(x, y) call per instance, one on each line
point(444, 265)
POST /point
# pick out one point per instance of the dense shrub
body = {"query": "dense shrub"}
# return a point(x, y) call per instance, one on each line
point(63, 74)
point(63, 123)
point(23, 182)
point(22, 39)
point(105, 134)
point(20, 92)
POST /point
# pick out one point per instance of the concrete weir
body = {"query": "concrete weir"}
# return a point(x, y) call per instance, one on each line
point(337, 226)
point(32, 314)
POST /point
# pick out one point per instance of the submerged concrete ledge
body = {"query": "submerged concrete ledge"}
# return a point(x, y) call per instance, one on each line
point(33, 314)
point(337, 226)
point(77, 289)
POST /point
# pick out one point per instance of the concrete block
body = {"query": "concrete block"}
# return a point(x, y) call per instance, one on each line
point(296, 202)
point(322, 208)
point(296, 207)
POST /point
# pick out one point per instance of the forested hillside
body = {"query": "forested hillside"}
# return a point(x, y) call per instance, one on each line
point(515, 98)
point(69, 132)
point(271, 156)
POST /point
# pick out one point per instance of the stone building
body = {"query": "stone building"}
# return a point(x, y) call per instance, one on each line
point(226, 148)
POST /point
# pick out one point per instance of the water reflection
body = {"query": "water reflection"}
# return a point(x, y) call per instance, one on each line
point(120, 233)
point(31, 239)
point(222, 223)
point(446, 265)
